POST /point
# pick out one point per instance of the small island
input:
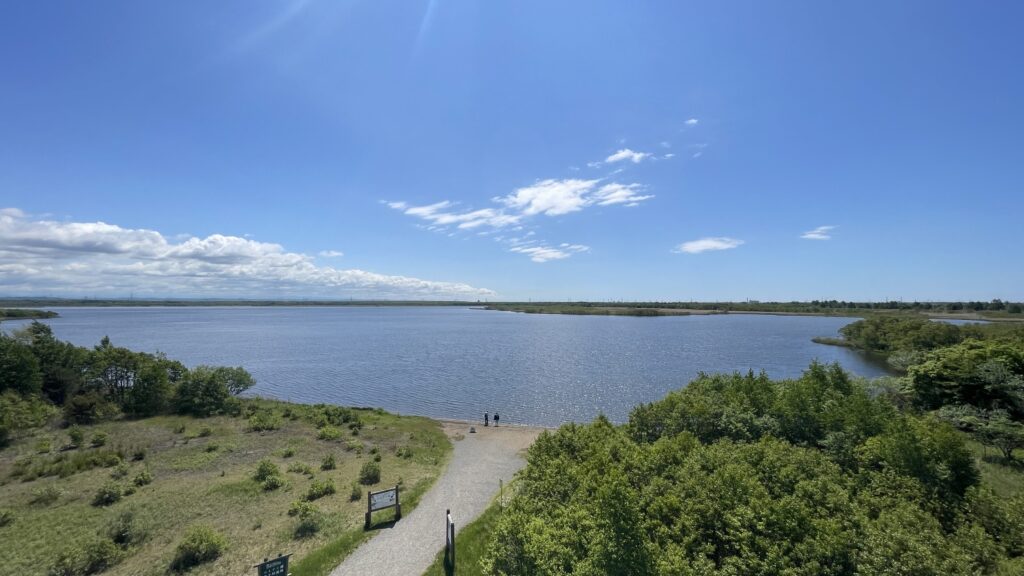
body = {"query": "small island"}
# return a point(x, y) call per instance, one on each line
point(25, 314)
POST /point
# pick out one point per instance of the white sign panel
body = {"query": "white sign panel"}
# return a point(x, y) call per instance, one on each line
point(385, 499)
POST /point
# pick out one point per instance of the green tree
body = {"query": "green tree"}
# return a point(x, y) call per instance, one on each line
point(19, 368)
point(208, 390)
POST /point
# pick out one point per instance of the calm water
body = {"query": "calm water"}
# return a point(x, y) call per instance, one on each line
point(459, 362)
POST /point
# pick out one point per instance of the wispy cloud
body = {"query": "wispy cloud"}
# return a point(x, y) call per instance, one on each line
point(819, 233)
point(76, 258)
point(331, 254)
point(708, 244)
point(627, 154)
point(692, 122)
point(698, 149)
point(547, 253)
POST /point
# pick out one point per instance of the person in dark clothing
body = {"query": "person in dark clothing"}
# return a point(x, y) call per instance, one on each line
point(496, 419)
point(485, 419)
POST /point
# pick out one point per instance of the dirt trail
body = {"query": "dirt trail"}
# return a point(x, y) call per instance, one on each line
point(466, 487)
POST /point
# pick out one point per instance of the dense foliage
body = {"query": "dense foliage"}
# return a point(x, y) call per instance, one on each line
point(744, 475)
point(40, 375)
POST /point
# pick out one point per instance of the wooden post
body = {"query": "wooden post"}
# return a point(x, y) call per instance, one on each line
point(366, 526)
point(398, 505)
point(452, 527)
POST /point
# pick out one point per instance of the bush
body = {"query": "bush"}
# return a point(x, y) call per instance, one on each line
point(143, 478)
point(46, 495)
point(300, 468)
point(328, 463)
point(310, 521)
point(100, 555)
point(119, 471)
point(264, 421)
point(265, 469)
point(318, 489)
point(353, 445)
point(212, 447)
point(125, 530)
point(6, 518)
point(369, 474)
point(96, 557)
point(288, 453)
point(205, 432)
point(329, 433)
point(107, 495)
point(179, 429)
point(272, 483)
point(99, 439)
point(139, 454)
point(76, 436)
point(356, 493)
point(201, 544)
point(43, 446)
point(404, 452)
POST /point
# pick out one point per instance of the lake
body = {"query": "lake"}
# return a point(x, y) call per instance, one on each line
point(448, 362)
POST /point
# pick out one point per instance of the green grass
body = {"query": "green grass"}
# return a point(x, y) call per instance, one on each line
point(470, 545)
point(1006, 479)
point(194, 486)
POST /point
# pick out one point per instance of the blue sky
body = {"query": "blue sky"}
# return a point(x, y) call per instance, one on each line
point(512, 150)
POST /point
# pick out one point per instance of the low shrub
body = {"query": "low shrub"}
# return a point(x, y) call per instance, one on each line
point(272, 483)
point(179, 429)
point(212, 447)
point(99, 439)
point(265, 469)
point(329, 433)
point(6, 518)
point(404, 452)
point(298, 507)
point(125, 530)
point(94, 558)
point(201, 544)
point(264, 421)
point(356, 493)
point(300, 468)
point(288, 453)
point(370, 473)
point(320, 488)
point(353, 445)
point(143, 478)
point(107, 494)
point(46, 495)
point(310, 521)
point(119, 471)
point(205, 432)
point(44, 446)
point(76, 436)
point(328, 463)
point(139, 454)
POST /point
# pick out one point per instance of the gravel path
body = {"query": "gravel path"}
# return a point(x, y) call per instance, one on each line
point(467, 487)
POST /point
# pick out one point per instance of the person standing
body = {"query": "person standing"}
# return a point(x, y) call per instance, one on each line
point(496, 419)
point(485, 419)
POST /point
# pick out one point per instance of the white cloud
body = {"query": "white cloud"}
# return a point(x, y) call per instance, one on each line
point(627, 154)
point(615, 193)
point(692, 122)
point(698, 149)
point(706, 244)
point(96, 258)
point(331, 253)
point(666, 144)
point(819, 233)
point(547, 253)
point(550, 197)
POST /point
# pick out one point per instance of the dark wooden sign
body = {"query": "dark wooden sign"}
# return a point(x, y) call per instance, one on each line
point(382, 500)
point(274, 567)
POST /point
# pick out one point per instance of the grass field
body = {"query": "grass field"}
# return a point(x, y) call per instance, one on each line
point(202, 474)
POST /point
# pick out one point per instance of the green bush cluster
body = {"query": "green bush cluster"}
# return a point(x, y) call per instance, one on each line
point(369, 474)
point(268, 475)
point(745, 475)
point(201, 544)
point(318, 489)
point(328, 463)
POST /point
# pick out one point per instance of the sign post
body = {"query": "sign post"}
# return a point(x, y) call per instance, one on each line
point(274, 567)
point(380, 501)
point(449, 542)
